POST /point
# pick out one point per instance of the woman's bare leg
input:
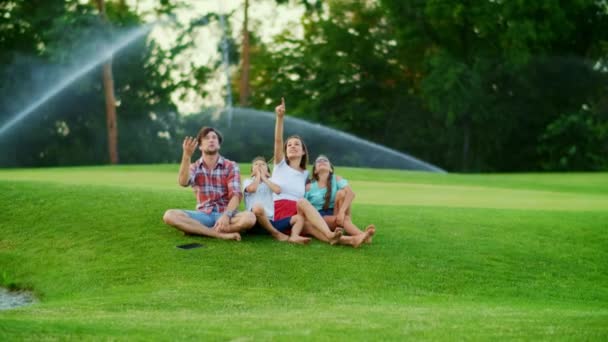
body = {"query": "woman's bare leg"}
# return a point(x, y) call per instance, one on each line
point(312, 216)
point(343, 196)
point(354, 241)
point(331, 222)
point(340, 195)
point(317, 234)
point(349, 227)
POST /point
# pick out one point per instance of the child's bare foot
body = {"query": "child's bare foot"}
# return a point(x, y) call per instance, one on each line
point(357, 240)
point(281, 237)
point(370, 230)
point(336, 236)
point(230, 236)
point(300, 240)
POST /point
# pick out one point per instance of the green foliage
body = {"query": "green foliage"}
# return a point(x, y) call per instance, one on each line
point(468, 86)
point(575, 142)
point(342, 74)
point(70, 128)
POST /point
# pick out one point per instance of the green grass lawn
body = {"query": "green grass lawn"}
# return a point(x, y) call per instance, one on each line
point(472, 257)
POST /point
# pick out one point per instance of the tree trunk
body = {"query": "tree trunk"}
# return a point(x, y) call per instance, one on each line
point(111, 122)
point(244, 89)
point(108, 86)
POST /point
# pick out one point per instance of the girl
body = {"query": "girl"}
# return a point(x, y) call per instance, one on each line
point(258, 199)
point(332, 197)
point(290, 175)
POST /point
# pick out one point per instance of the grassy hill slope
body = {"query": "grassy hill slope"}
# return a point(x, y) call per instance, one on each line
point(456, 256)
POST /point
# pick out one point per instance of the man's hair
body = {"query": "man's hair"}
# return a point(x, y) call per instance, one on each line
point(203, 133)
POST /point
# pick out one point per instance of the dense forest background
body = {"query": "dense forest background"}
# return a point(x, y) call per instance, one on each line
point(470, 86)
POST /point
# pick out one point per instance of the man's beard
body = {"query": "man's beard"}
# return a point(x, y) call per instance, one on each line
point(211, 153)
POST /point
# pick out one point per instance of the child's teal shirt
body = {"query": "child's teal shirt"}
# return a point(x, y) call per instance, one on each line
point(316, 195)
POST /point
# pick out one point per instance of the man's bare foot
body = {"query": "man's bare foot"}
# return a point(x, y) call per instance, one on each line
point(336, 236)
point(230, 236)
point(300, 240)
point(370, 230)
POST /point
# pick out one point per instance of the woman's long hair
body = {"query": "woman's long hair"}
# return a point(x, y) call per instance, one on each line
point(315, 176)
point(304, 160)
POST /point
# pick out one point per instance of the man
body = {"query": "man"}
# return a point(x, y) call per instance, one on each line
point(217, 184)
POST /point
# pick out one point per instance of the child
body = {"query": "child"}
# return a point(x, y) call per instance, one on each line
point(332, 197)
point(258, 199)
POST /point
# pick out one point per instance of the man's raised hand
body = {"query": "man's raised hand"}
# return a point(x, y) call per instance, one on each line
point(280, 109)
point(189, 146)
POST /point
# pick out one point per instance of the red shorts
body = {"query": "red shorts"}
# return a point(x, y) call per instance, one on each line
point(285, 208)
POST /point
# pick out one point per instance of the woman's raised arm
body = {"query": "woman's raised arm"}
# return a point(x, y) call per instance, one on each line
point(278, 132)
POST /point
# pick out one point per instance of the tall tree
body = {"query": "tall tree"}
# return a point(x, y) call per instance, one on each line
point(44, 43)
point(470, 86)
point(245, 56)
point(244, 88)
point(108, 86)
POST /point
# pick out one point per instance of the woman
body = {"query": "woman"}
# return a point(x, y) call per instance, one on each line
point(258, 199)
point(332, 197)
point(290, 175)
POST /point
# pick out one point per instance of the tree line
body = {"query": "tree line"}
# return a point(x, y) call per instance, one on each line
point(470, 86)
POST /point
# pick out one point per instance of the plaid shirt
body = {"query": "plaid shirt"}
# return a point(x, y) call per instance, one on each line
point(214, 188)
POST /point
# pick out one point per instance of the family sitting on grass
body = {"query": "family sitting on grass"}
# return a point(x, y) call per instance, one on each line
point(287, 205)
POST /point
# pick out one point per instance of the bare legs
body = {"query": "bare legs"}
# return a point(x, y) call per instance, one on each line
point(240, 222)
point(354, 241)
point(181, 221)
point(297, 223)
point(314, 222)
point(349, 227)
point(307, 220)
point(264, 222)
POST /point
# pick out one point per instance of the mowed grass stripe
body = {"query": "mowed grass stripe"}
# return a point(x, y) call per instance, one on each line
point(475, 197)
point(323, 322)
point(592, 183)
point(407, 192)
point(165, 176)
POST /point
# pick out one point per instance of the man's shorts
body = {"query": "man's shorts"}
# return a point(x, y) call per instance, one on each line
point(207, 220)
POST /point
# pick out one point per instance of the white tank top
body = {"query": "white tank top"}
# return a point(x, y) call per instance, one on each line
point(291, 181)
